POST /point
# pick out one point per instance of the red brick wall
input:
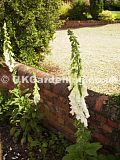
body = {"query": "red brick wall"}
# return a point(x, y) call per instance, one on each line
point(83, 23)
point(104, 122)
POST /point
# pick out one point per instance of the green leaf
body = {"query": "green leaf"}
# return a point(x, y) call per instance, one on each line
point(92, 148)
point(16, 135)
point(23, 123)
point(15, 112)
point(23, 140)
point(67, 157)
point(12, 131)
point(102, 157)
point(30, 139)
point(108, 157)
point(33, 115)
point(35, 143)
point(44, 145)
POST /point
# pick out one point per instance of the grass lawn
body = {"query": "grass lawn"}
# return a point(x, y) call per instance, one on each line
point(116, 14)
point(100, 53)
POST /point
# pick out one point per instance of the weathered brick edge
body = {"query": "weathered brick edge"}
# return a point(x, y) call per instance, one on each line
point(83, 23)
point(104, 122)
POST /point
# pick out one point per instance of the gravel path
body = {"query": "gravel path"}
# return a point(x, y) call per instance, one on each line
point(100, 53)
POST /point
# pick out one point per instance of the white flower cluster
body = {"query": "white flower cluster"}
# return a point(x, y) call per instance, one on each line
point(78, 105)
point(9, 60)
point(36, 92)
point(7, 51)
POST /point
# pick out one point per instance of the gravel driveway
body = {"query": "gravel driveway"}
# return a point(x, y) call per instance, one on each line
point(100, 53)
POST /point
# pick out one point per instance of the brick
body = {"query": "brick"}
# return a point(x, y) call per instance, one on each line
point(101, 138)
point(101, 119)
point(56, 102)
point(42, 108)
point(64, 100)
point(61, 121)
point(58, 88)
point(53, 117)
point(99, 103)
point(112, 124)
point(61, 89)
point(106, 128)
point(41, 100)
point(47, 86)
point(49, 94)
point(41, 74)
point(78, 24)
point(70, 125)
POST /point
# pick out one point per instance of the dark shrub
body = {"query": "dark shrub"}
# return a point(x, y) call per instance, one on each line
point(96, 7)
point(79, 10)
point(113, 5)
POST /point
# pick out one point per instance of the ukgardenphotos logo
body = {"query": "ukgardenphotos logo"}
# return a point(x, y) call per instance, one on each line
point(30, 79)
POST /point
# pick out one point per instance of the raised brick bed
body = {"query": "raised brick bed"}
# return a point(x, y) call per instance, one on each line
point(104, 122)
point(83, 23)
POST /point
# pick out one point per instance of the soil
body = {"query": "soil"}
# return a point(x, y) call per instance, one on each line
point(11, 150)
point(15, 151)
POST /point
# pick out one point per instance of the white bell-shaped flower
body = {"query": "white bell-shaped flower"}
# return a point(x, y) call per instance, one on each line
point(36, 92)
point(78, 105)
point(7, 51)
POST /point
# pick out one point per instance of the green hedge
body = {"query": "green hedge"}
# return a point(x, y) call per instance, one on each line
point(113, 5)
point(31, 25)
point(96, 7)
point(79, 10)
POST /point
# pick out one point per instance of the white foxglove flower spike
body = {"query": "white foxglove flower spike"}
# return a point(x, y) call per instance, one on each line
point(77, 87)
point(7, 51)
point(36, 91)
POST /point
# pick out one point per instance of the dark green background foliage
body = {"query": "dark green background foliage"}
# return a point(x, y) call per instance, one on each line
point(113, 5)
point(116, 98)
point(96, 7)
point(1, 26)
point(31, 25)
point(78, 10)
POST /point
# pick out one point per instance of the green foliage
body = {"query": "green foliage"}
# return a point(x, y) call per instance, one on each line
point(5, 110)
point(113, 5)
point(2, 62)
point(17, 107)
point(116, 98)
point(1, 27)
point(82, 149)
point(106, 16)
point(83, 135)
point(79, 10)
point(96, 7)
point(31, 26)
point(24, 117)
point(64, 11)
